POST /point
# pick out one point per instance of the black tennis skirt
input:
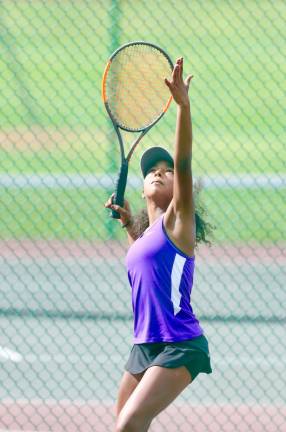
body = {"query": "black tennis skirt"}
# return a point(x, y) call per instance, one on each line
point(192, 353)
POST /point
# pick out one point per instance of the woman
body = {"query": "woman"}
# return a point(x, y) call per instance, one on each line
point(169, 346)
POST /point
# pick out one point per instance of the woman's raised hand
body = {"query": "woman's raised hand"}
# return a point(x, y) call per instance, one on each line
point(177, 86)
point(125, 212)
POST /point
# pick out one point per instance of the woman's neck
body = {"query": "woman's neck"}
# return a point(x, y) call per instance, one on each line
point(154, 214)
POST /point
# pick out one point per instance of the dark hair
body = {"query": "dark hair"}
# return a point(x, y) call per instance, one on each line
point(203, 228)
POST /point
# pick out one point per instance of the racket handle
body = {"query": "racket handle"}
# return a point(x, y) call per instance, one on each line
point(120, 189)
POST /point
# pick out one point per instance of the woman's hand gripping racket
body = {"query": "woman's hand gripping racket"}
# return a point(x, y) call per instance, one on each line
point(135, 96)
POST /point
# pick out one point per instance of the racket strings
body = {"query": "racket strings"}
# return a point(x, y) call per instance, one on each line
point(135, 87)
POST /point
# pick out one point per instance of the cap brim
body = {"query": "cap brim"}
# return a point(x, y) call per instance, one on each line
point(152, 156)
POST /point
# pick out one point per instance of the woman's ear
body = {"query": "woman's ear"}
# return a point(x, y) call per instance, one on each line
point(142, 195)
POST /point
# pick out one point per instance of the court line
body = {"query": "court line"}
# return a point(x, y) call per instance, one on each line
point(86, 181)
point(17, 430)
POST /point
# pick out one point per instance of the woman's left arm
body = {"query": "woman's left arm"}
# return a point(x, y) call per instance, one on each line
point(183, 205)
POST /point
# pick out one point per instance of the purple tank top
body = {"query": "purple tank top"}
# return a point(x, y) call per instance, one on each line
point(161, 279)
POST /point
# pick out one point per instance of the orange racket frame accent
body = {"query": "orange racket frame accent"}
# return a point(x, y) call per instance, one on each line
point(167, 104)
point(103, 87)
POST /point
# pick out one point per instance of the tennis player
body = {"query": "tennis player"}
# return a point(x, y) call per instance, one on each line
point(170, 348)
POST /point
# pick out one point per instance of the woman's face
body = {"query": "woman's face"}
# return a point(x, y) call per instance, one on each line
point(158, 183)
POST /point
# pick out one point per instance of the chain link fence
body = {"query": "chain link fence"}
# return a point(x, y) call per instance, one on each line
point(65, 305)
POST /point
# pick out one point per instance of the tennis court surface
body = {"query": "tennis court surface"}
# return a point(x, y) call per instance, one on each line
point(66, 336)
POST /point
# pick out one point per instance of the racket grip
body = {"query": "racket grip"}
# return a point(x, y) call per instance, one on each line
point(120, 189)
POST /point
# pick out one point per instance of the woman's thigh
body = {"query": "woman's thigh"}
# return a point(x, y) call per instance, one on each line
point(127, 385)
point(155, 391)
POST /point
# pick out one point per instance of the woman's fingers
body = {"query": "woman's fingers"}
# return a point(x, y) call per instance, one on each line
point(125, 215)
point(177, 74)
point(121, 210)
point(109, 201)
point(180, 62)
point(177, 85)
point(188, 80)
point(127, 206)
point(117, 208)
point(124, 212)
point(168, 83)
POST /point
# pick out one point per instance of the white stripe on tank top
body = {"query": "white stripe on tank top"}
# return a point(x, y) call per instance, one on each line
point(176, 276)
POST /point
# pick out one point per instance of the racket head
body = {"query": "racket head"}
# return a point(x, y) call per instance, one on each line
point(133, 88)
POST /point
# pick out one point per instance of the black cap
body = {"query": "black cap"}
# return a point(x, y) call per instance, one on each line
point(153, 155)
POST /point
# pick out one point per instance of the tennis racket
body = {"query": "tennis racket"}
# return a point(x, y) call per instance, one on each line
point(135, 96)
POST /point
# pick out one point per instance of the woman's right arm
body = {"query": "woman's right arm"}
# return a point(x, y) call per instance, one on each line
point(126, 218)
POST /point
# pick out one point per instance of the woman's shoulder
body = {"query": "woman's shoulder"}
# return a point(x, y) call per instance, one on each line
point(179, 239)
